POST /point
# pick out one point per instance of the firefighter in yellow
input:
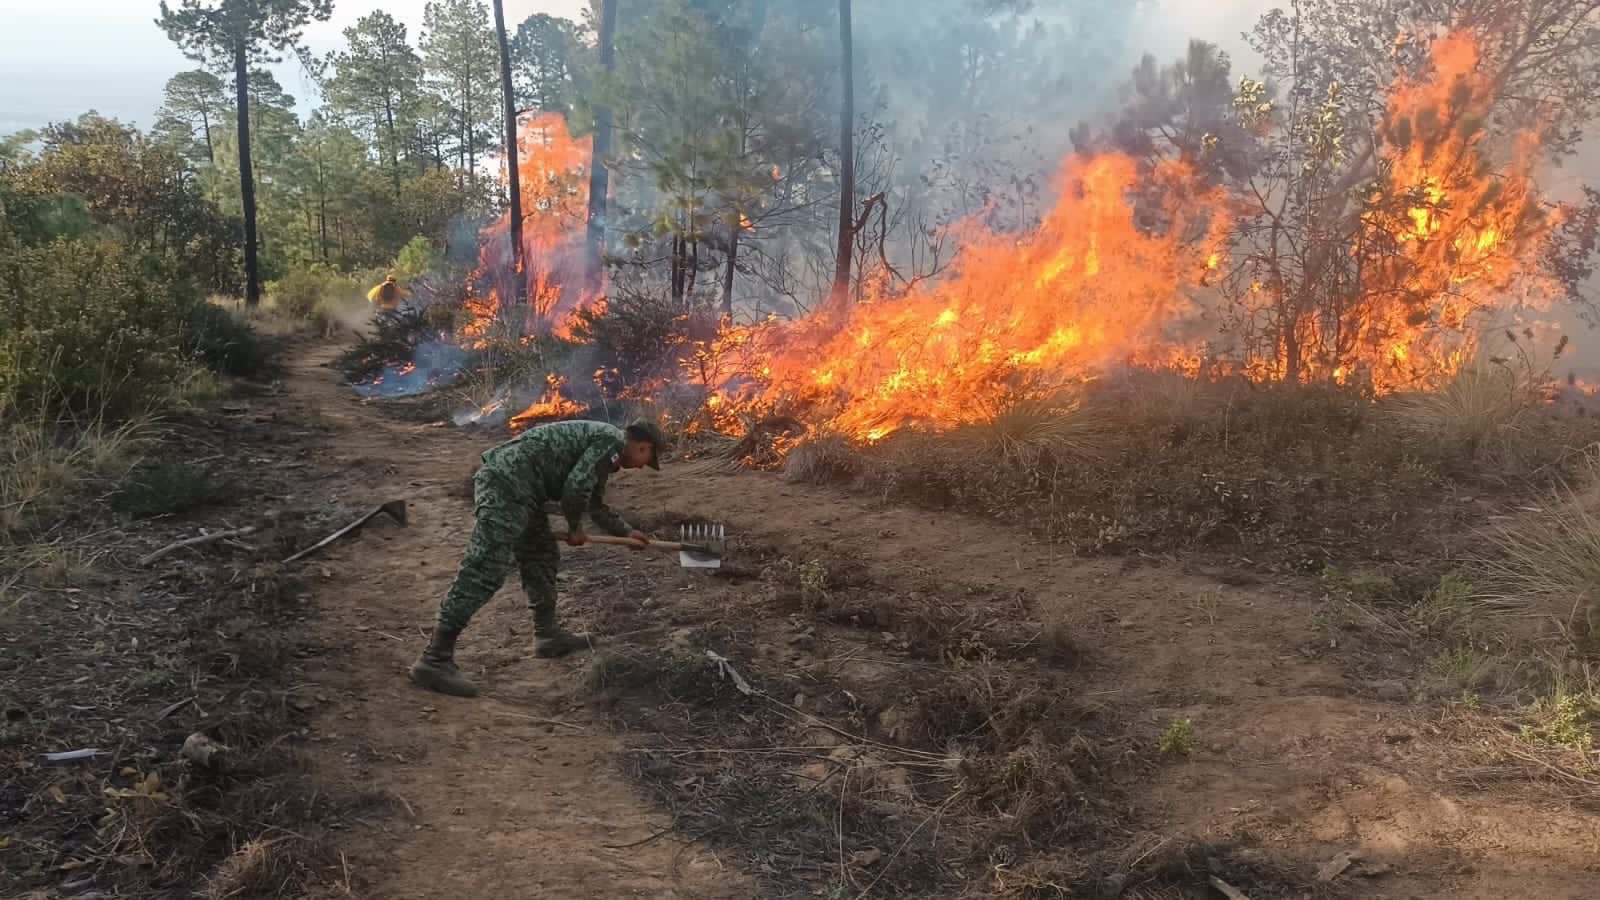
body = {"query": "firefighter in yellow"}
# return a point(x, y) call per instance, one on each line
point(386, 297)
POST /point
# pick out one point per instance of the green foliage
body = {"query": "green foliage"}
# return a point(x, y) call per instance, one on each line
point(1567, 719)
point(461, 64)
point(1177, 739)
point(132, 186)
point(222, 342)
point(377, 82)
point(1447, 601)
point(418, 257)
point(210, 30)
point(83, 324)
point(545, 55)
point(1362, 586)
point(41, 218)
point(1457, 663)
point(299, 292)
point(197, 103)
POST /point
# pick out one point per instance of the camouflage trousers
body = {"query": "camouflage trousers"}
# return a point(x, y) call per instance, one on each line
point(511, 530)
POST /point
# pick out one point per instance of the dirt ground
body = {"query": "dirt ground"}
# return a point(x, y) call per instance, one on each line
point(1309, 744)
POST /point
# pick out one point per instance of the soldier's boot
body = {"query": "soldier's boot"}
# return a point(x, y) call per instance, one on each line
point(551, 640)
point(436, 668)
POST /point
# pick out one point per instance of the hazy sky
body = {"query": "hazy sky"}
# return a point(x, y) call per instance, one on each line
point(60, 58)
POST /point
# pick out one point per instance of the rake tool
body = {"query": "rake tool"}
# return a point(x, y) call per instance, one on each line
point(699, 546)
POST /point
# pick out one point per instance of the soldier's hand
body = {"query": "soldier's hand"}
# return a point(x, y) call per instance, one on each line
point(640, 540)
point(577, 538)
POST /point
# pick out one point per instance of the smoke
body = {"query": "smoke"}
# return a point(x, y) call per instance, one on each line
point(434, 364)
point(967, 108)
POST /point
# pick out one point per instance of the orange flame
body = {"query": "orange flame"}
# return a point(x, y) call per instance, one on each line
point(552, 405)
point(1466, 246)
point(1114, 277)
point(552, 167)
point(1090, 288)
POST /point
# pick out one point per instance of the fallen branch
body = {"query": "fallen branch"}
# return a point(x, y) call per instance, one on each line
point(195, 542)
point(174, 707)
point(539, 719)
point(1227, 890)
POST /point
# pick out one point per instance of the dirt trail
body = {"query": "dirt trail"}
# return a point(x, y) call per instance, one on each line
point(518, 794)
point(493, 796)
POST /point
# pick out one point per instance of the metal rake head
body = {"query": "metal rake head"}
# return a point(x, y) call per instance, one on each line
point(711, 537)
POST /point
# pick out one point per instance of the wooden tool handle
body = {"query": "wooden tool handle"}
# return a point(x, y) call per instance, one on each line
point(626, 542)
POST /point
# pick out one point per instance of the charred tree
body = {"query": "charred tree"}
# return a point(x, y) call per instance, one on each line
point(599, 177)
point(513, 156)
point(839, 298)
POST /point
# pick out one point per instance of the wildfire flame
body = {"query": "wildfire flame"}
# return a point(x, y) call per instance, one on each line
point(1112, 277)
point(1128, 269)
point(553, 405)
point(552, 167)
point(1468, 243)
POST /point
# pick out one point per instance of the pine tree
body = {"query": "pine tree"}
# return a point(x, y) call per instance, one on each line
point(460, 63)
point(544, 56)
point(377, 84)
point(236, 31)
point(195, 102)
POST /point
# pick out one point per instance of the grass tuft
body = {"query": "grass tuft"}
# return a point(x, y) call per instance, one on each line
point(1479, 411)
point(163, 487)
point(1548, 562)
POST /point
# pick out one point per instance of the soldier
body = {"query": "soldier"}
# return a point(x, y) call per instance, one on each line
point(567, 462)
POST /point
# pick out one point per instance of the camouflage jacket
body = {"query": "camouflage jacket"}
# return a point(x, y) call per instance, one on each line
point(565, 461)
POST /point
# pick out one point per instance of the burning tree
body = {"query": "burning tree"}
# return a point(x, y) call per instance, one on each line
point(1390, 212)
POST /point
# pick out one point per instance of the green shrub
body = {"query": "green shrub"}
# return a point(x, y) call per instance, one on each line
point(89, 325)
point(223, 343)
point(84, 325)
point(298, 293)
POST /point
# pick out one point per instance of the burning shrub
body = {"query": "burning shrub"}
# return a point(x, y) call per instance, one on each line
point(638, 333)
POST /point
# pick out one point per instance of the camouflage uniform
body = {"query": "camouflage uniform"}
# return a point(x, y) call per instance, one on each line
point(566, 462)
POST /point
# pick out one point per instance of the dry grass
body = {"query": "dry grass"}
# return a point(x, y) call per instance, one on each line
point(1548, 562)
point(1479, 410)
point(44, 460)
point(1295, 475)
point(821, 459)
point(1033, 433)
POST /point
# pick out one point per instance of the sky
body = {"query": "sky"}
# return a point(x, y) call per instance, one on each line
point(60, 58)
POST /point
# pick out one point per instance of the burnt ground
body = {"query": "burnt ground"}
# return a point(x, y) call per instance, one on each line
point(870, 700)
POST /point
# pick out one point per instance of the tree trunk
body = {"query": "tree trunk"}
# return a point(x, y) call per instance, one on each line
point(211, 151)
point(247, 182)
point(677, 271)
point(599, 177)
point(692, 268)
point(394, 143)
point(839, 299)
point(513, 177)
point(322, 209)
point(728, 273)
